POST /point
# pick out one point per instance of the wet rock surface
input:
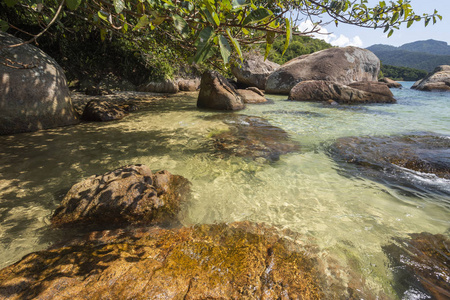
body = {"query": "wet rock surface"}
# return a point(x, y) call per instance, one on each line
point(425, 153)
point(253, 137)
point(421, 266)
point(129, 195)
point(237, 261)
point(103, 111)
point(217, 93)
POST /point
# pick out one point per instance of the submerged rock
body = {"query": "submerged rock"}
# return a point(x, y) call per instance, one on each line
point(421, 265)
point(102, 111)
point(354, 93)
point(425, 153)
point(33, 89)
point(438, 80)
point(237, 261)
point(253, 71)
point(217, 93)
point(253, 137)
point(339, 65)
point(164, 86)
point(128, 195)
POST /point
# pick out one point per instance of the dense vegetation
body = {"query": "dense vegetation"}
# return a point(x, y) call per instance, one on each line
point(422, 55)
point(402, 73)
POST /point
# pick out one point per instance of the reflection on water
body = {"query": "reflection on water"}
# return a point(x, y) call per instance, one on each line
point(350, 218)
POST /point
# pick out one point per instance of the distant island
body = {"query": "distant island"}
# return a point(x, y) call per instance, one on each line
point(422, 55)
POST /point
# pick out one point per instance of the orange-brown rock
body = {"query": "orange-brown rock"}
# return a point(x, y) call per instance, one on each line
point(102, 111)
point(129, 195)
point(237, 261)
point(251, 97)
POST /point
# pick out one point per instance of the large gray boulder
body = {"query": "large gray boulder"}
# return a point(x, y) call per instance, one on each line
point(217, 93)
point(340, 65)
point(254, 70)
point(438, 80)
point(321, 90)
point(33, 89)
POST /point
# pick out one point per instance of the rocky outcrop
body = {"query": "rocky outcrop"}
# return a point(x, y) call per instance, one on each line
point(420, 265)
point(236, 261)
point(217, 93)
point(102, 111)
point(438, 80)
point(320, 90)
point(165, 86)
point(129, 195)
point(252, 137)
point(33, 89)
point(340, 65)
point(252, 96)
point(253, 71)
point(390, 83)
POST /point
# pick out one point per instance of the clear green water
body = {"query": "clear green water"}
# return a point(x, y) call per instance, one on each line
point(349, 218)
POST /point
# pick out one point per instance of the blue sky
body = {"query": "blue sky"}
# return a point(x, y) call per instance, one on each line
point(345, 35)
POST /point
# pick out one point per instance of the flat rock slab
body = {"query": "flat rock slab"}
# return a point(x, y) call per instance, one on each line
point(103, 111)
point(438, 80)
point(129, 195)
point(237, 261)
point(252, 137)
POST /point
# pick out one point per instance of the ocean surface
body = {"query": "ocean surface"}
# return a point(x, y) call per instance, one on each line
point(348, 217)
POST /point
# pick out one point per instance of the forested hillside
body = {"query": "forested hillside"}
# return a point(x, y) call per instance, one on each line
point(423, 55)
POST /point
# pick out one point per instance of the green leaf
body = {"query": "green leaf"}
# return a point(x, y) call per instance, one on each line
point(143, 21)
point(410, 22)
point(270, 38)
point(390, 33)
point(204, 45)
point(73, 4)
point(288, 35)
point(257, 15)
point(225, 49)
point(427, 20)
point(10, 3)
point(235, 44)
point(119, 5)
point(211, 17)
point(3, 25)
point(181, 25)
point(103, 15)
point(103, 34)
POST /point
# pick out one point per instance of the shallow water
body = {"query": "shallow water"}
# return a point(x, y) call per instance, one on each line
point(348, 217)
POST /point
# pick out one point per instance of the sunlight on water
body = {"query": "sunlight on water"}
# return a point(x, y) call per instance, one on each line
point(349, 218)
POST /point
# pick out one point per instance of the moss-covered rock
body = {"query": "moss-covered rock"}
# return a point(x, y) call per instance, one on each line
point(237, 261)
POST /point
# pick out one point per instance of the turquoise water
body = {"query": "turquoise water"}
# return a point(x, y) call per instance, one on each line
point(347, 217)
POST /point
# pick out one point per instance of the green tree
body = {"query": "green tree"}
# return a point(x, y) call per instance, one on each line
point(210, 28)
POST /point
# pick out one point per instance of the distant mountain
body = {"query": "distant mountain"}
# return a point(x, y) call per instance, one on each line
point(423, 55)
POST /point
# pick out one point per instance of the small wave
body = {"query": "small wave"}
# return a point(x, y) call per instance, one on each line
point(428, 179)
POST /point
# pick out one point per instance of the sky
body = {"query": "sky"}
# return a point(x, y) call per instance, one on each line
point(348, 35)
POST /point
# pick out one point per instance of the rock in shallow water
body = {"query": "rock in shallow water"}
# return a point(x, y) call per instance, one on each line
point(421, 265)
point(129, 195)
point(102, 111)
point(438, 80)
point(253, 137)
point(237, 261)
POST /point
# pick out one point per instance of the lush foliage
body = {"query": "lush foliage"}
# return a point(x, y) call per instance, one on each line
point(402, 73)
point(204, 29)
point(299, 45)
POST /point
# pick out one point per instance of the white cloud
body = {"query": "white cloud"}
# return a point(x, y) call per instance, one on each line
point(323, 34)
